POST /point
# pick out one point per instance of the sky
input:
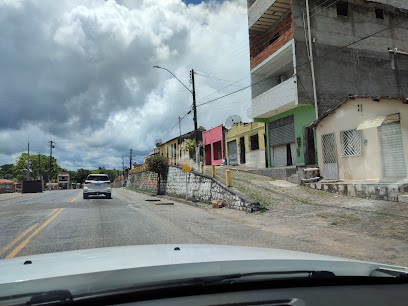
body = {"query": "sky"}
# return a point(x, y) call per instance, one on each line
point(81, 73)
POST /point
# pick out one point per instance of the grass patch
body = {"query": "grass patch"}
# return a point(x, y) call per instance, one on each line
point(253, 193)
point(323, 216)
point(334, 223)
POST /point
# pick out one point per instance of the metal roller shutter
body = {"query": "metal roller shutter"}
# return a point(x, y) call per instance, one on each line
point(279, 156)
point(282, 131)
point(392, 150)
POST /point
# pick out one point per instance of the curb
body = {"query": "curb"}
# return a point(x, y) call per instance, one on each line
point(184, 201)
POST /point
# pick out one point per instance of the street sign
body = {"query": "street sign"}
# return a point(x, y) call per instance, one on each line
point(186, 166)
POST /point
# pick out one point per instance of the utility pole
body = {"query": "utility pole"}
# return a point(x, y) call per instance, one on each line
point(179, 148)
point(311, 60)
point(123, 169)
point(50, 175)
point(28, 159)
point(195, 119)
point(39, 166)
point(130, 159)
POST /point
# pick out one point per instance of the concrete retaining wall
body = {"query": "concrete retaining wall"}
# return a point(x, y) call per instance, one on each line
point(255, 159)
point(375, 191)
point(200, 186)
point(293, 174)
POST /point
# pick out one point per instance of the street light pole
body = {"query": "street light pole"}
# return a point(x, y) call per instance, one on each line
point(194, 107)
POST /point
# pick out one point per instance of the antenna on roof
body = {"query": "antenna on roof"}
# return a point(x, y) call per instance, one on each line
point(231, 120)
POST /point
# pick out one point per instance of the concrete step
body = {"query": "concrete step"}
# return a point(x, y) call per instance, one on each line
point(403, 198)
point(311, 180)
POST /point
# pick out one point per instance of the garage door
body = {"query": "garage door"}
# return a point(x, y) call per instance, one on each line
point(392, 150)
point(232, 152)
point(282, 141)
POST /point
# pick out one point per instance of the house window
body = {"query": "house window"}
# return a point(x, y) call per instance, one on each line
point(342, 8)
point(379, 13)
point(254, 142)
point(350, 142)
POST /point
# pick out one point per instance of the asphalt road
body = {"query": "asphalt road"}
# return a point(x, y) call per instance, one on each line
point(55, 221)
point(62, 220)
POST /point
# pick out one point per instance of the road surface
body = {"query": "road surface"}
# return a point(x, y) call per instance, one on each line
point(55, 221)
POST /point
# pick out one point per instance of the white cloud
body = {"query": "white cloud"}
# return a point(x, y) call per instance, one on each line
point(81, 73)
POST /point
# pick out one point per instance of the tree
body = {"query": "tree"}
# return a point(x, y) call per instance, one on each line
point(20, 168)
point(6, 171)
point(189, 146)
point(80, 175)
point(111, 173)
point(158, 164)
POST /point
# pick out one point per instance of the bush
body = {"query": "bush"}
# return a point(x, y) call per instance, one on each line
point(158, 164)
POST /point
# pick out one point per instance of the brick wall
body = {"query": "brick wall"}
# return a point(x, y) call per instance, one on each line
point(259, 48)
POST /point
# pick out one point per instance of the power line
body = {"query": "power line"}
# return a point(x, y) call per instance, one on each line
point(211, 77)
point(259, 40)
point(168, 132)
point(307, 62)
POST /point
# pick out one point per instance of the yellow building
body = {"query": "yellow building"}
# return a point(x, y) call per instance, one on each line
point(245, 144)
point(172, 149)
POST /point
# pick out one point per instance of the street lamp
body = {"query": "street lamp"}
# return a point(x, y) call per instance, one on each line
point(194, 107)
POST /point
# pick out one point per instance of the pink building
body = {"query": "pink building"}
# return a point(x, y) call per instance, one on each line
point(214, 145)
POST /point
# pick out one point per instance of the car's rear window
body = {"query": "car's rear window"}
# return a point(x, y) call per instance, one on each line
point(97, 178)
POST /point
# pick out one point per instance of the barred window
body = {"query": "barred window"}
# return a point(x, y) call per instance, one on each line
point(350, 142)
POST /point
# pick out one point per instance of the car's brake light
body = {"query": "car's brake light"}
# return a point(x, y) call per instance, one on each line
point(107, 182)
point(87, 182)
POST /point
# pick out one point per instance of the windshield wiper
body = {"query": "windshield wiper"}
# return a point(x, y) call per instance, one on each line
point(391, 272)
point(42, 298)
point(209, 281)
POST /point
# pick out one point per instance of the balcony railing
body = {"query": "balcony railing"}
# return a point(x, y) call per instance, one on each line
point(276, 100)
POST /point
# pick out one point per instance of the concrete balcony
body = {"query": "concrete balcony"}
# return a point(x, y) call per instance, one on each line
point(262, 14)
point(276, 100)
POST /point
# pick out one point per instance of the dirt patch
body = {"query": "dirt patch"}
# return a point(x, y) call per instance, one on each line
point(303, 207)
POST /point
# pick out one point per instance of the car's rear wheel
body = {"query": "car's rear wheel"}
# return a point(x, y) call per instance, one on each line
point(109, 196)
point(85, 196)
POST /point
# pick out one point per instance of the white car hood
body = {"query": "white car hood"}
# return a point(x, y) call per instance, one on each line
point(114, 267)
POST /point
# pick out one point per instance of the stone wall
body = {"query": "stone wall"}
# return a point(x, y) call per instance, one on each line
point(293, 174)
point(200, 186)
point(143, 180)
point(374, 191)
point(206, 189)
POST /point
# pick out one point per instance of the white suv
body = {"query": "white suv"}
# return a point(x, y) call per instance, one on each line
point(96, 184)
